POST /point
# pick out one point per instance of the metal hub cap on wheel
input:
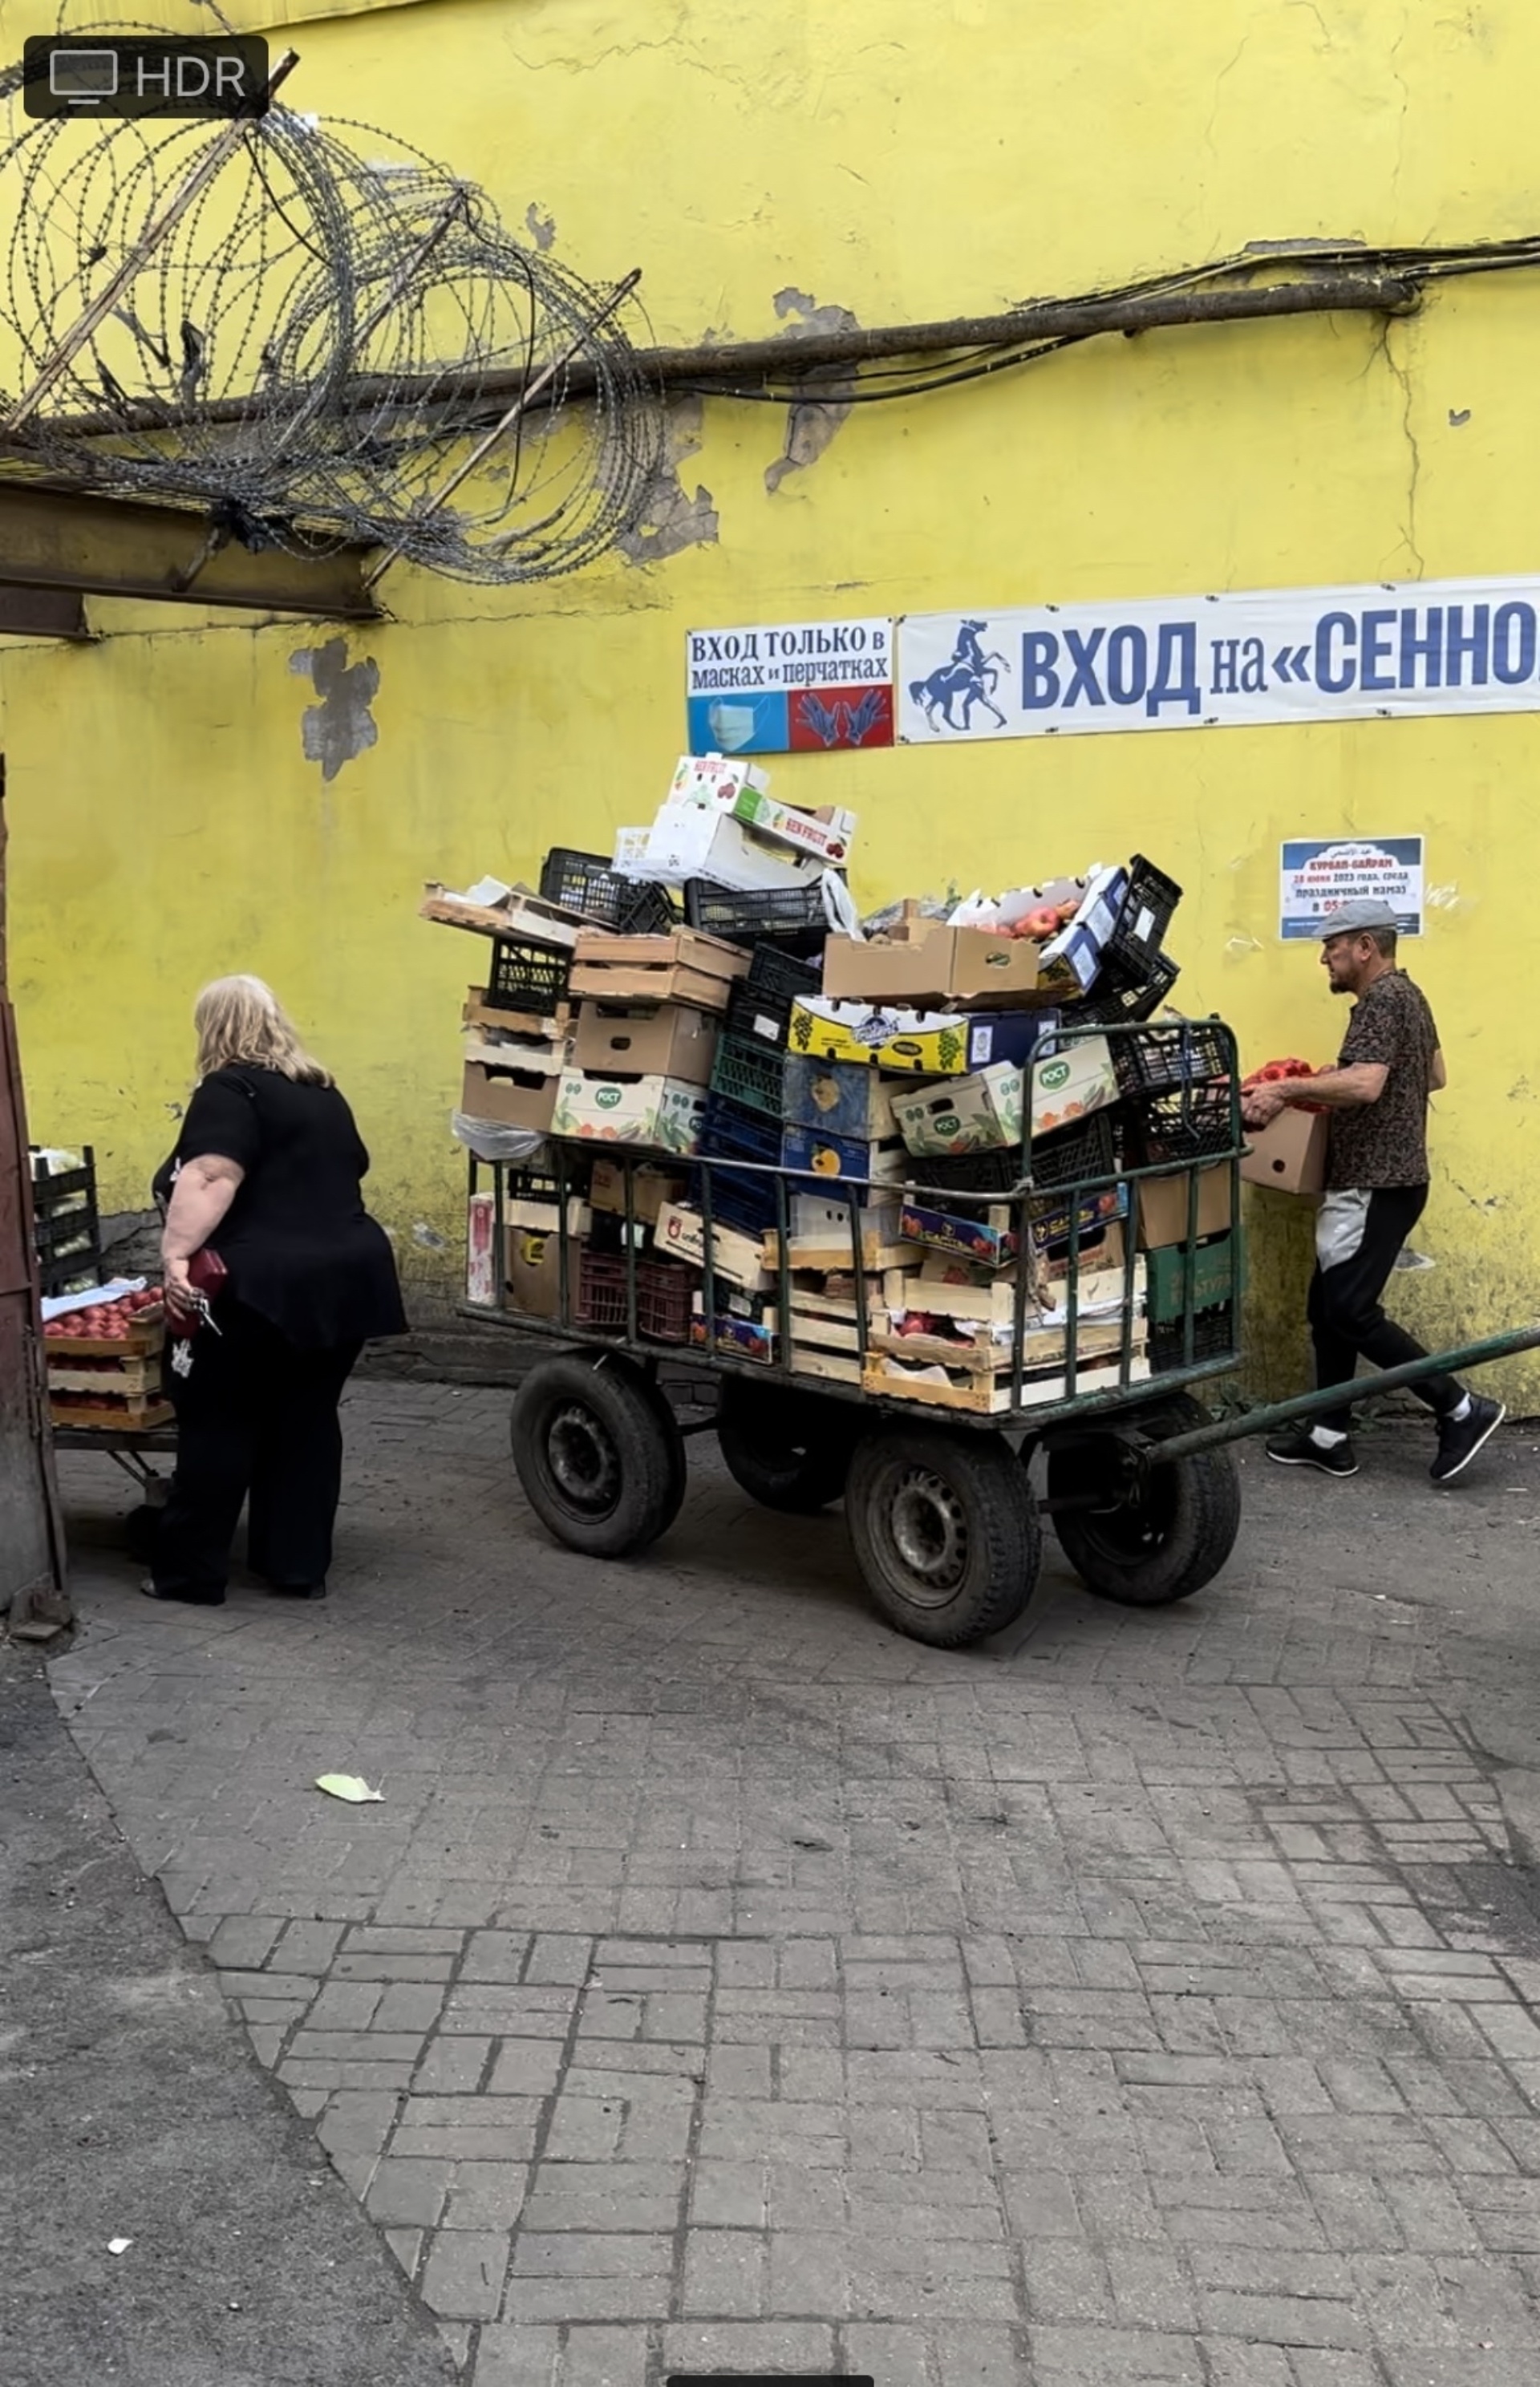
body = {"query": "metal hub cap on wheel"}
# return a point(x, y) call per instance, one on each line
point(584, 1463)
point(929, 1534)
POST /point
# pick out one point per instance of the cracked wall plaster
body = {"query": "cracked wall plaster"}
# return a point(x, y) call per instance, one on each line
point(341, 727)
point(672, 520)
point(812, 423)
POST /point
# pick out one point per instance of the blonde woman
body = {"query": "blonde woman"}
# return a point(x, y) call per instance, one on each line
point(267, 1174)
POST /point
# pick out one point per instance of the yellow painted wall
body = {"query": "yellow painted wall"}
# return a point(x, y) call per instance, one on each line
point(908, 159)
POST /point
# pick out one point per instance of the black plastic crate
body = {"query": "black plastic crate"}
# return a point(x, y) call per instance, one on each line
point(1147, 912)
point(752, 1074)
point(1186, 1053)
point(968, 1172)
point(526, 978)
point(1082, 1154)
point(66, 1232)
point(589, 883)
point(776, 977)
point(792, 918)
point(1112, 1005)
point(1213, 1338)
point(1195, 1123)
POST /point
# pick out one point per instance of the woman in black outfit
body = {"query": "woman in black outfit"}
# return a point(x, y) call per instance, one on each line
point(267, 1174)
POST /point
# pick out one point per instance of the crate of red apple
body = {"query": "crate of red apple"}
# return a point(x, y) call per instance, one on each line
point(105, 1364)
point(1274, 1072)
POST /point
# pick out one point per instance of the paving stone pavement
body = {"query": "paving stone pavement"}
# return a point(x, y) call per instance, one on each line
point(1141, 2000)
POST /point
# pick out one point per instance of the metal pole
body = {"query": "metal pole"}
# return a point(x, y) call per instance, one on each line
point(153, 234)
point(1336, 1397)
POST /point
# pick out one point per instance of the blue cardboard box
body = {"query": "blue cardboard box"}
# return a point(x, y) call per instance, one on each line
point(839, 1098)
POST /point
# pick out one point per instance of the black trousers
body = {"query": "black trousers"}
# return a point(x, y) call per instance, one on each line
point(1359, 1235)
point(257, 1417)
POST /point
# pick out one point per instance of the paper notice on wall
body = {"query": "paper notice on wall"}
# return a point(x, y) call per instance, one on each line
point(1318, 874)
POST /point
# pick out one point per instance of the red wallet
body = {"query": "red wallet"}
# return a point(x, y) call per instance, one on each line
point(206, 1274)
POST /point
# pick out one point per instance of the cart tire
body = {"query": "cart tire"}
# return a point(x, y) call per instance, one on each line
point(790, 1451)
point(1174, 1541)
point(598, 1452)
point(946, 1531)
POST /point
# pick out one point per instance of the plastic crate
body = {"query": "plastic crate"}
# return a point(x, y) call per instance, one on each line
point(526, 978)
point(1212, 1276)
point(734, 1133)
point(738, 1199)
point(776, 977)
point(1213, 1338)
point(1082, 1155)
point(1146, 914)
point(792, 916)
point(1154, 1060)
point(663, 1293)
point(589, 883)
point(1195, 1123)
point(752, 1074)
point(599, 1298)
point(969, 1172)
point(66, 1232)
point(1114, 1005)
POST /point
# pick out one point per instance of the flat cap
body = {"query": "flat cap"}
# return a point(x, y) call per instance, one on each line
point(1357, 919)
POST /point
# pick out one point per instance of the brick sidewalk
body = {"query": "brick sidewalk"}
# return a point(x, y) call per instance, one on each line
point(726, 1982)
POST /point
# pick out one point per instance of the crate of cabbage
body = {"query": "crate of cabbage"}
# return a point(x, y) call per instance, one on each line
point(953, 1362)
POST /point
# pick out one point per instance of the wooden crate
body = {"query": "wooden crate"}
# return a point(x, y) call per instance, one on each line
point(124, 1417)
point(526, 919)
point(686, 967)
point(982, 1384)
point(130, 1378)
point(137, 1344)
point(549, 1026)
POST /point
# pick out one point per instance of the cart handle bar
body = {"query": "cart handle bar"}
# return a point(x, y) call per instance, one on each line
point(1336, 1397)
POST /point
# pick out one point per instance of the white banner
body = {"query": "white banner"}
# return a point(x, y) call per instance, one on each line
point(1383, 651)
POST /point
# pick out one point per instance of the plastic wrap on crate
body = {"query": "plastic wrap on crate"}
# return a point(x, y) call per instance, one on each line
point(497, 1144)
point(96, 1296)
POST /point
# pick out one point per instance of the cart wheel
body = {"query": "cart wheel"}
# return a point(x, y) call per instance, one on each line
point(1158, 1539)
point(945, 1529)
point(789, 1451)
point(598, 1452)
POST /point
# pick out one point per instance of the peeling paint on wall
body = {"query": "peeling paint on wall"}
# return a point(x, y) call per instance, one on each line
point(341, 727)
point(541, 227)
point(674, 520)
point(812, 423)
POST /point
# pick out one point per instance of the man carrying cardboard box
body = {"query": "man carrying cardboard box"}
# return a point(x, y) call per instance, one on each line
point(1376, 1190)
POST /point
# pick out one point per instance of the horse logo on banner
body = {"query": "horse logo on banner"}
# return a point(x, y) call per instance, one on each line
point(970, 678)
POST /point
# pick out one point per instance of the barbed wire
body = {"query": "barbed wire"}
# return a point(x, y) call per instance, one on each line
point(313, 342)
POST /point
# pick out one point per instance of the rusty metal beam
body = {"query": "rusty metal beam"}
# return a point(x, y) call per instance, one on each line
point(43, 614)
point(105, 546)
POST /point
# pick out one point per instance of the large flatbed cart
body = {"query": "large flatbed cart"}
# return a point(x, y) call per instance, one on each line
point(1090, 1350)
point(1139, 1481)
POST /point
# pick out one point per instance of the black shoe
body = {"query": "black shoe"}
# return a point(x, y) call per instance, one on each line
point(1459, 1439)
point(1298, 1448)
point(298, 1590)
point(187, 1598)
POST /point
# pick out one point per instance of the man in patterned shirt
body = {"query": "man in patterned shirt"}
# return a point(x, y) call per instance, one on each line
point(1376, 1190)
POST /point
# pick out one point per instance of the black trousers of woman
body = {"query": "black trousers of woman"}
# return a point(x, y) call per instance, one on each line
point(256, 1418)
